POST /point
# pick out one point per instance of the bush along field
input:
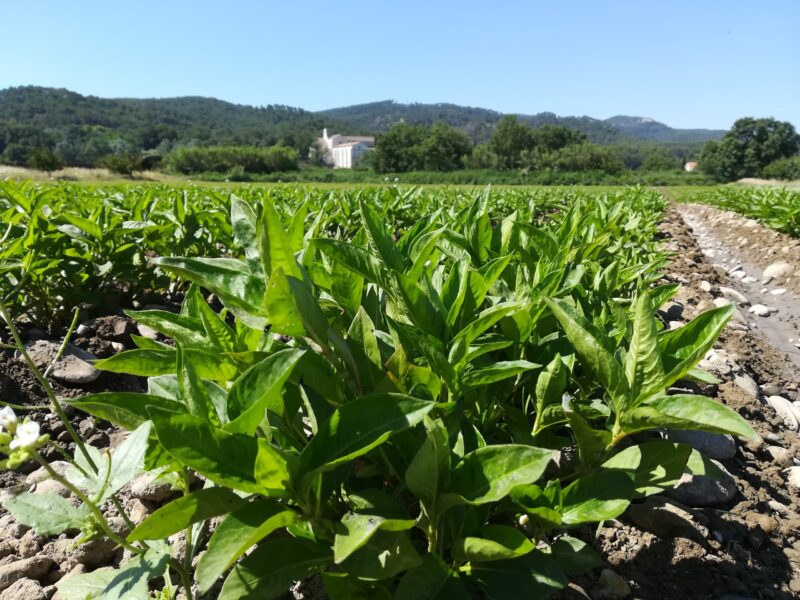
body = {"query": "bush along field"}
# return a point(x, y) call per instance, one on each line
point(391, 394)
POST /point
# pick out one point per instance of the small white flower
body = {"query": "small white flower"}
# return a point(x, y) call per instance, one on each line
point(7, 417)
point(27, 435)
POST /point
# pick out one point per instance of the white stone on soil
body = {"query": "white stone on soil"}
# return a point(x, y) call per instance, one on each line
point(705, 286)
point(746, 384)
point(785, 410)
point(610, 586)
point(74, 366)
point(720, 302)
point(760, 310)
point(793, 476)
point(147, 332)
point(778, 292)
point(734, 295)
point(780, 456)
point(778, 269)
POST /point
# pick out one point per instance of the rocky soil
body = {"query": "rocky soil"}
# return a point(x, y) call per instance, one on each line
point(735, 537)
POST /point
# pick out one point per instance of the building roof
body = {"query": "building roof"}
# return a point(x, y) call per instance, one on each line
point(348, 144)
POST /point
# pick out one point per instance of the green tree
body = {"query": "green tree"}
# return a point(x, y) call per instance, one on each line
point(444, 148)
point(399, 150)
point(44, 159)
point(555, 137)
point(510, 141)
point(748, 147)
point(123, 163)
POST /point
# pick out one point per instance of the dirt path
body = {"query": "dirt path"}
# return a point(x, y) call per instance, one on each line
point(746, 544)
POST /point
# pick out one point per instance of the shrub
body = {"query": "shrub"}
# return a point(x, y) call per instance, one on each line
point(222, 159)
point(787, 169)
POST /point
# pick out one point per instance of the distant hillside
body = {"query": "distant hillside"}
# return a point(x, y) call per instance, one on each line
point(649, 129)
point(479, 122)
point(60, 116)
point(82, 130)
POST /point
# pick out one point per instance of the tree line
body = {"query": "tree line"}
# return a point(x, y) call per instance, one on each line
point(515, 145)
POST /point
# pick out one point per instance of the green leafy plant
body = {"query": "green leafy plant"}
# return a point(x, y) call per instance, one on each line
point(395, 410)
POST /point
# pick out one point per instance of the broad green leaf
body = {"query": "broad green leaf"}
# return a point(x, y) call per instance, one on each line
point(574, 556)
point(662, 294)
point(129, 582)
point(356, 259)
point(272, 469)
point(244, 224)
point(496, 542)
point(227, 459)
point(428, 475)
point(275, 244)
point(543, 504)
point(185, 511)
point(260, 389)
point(127, 460)
point(355, 529)
point(488, 474)
point(229, 279)
point(654, 466)
point(592, 443)
point(486, 319)
point(591, 352)
point(48, 514)
point(384, 555)
point(238, 532)
point(376, 231)
point(148, 363)
point(551, 383)
point(220, 334)
point(358, 426)
point(126, 409)
point(643, 363)
point(682, 348)
point(293, 310)
point(272, 568)
point(535, 573)
point(432, 580)
point(363, 345)
point(687, 411)
point(341, 586)
point(184, 330)
point(595, 497)
point(496, 372)
point(422, 310)
point(192, 390)
point(81, 473)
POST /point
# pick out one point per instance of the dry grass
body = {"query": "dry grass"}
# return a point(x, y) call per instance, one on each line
point(78, 174)
point(791, 185)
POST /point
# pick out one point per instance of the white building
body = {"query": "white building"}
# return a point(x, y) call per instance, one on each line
point(344, 151)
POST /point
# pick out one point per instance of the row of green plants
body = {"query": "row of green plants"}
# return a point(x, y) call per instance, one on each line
point(441, 406)
point(65, 246)
point(778, 208)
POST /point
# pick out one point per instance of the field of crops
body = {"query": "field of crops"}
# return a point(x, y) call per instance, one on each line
point(774, 207)
point(415, 394)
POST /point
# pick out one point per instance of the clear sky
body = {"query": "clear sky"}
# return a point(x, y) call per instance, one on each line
point(700, 63)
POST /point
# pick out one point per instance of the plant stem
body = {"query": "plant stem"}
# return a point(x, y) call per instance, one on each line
point(187, 554)
point(184, 575)
point(101, 518)
point(63, 346)
point(56, 405)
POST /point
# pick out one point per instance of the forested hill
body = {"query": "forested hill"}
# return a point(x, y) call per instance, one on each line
point(479, 122)
point(83, 129)
point(146, 123)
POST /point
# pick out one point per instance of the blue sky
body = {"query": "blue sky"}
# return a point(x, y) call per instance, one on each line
point(689, 64)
